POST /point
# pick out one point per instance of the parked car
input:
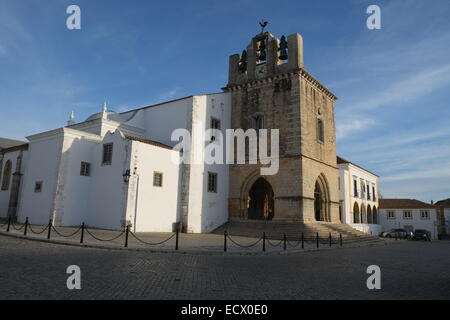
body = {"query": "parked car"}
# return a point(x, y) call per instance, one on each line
point(400, 233)
point(421, 234)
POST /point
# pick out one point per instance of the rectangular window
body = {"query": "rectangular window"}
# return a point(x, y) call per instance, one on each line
point(391, 215)
point(368, 192)
point(320, 130)
point(215, 125)
point(107, 154)
point(157, 179)
point(407, 215)
point(355, 188)
point(425, 215)
point(212, 182)
point(374, 197)
point(38, 186)
point(85, 169)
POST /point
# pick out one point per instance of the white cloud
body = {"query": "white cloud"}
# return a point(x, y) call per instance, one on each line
point(351, 126)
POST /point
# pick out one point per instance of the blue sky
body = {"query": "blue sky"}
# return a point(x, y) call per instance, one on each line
point(393, 84)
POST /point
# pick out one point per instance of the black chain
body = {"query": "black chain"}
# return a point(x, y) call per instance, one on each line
point(274, 245)
point(17, 229)
point(66, 236)
point(104, 240)
point(293, 246)
point(245, 246)
point(155, 243)
point(40, 232)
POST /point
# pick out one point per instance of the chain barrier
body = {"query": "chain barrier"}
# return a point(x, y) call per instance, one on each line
point(66, 236)
point(4, 224)
point(150, 243)
point(15, 228)
point(37, 232)
point(245, 246)
point(103, 240)
point(292, 245)
point(274, 245)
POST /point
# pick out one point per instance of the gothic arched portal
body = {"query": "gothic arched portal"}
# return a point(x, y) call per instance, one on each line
point(321, 200)
point(260, 201)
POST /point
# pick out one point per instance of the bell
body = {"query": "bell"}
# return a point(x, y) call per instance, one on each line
point(243, 62)
point(283, 49)
point(283, 54)
point(262, 51)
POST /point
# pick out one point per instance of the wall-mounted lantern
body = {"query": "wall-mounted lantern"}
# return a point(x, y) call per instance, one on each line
point(126, 176)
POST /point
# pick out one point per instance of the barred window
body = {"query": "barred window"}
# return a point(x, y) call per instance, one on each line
point(107, 154)
point(215, 125)
point(85, 169)
point(212, 182)
point(157, 179)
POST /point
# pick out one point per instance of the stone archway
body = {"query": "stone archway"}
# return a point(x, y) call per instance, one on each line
point(369, 214)
point(321, 200)
point(260, 203)
point(356, 215)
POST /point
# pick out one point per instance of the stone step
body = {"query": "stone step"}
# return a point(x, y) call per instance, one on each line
point(293, 230)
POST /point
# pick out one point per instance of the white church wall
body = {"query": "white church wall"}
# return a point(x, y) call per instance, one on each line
point(208, 210)
point(157, 207)
point(44, 153)
point(75, 188)
point(161, 120)
point(108, 196)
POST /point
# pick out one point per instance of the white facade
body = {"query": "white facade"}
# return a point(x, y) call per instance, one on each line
point(358, 191)
point(410, 219)
point(143, 183)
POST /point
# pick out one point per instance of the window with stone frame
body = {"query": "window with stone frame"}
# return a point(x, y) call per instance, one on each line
point(157, 179)
point(320, 130)
point(407, 215)
point(212, 182)
point(355, 187)
point(38, 186)
point(425, 215)
point(215, 126)
point(6, 175)
point(391, 215)
point(374, 197)
point(107, 154)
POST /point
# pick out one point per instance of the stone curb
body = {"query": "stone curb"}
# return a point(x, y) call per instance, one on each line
point(187, 251)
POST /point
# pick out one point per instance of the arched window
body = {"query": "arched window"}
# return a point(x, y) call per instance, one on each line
point(356, 213)
point(6, 175)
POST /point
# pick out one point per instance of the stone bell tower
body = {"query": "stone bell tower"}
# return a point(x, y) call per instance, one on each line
point(271, 89)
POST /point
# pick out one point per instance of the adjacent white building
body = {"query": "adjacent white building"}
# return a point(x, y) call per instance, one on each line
point(409, 214)
point(115, 169)
point(358, 190)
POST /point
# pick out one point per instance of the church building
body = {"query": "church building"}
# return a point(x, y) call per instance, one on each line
point(118, 169)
